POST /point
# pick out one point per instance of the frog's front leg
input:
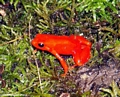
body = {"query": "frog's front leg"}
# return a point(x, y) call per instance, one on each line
point(62, 61)
point(82, 56)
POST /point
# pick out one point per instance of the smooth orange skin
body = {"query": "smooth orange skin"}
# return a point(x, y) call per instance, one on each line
point(77, 46)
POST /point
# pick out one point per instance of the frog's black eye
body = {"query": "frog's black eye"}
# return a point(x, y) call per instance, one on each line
point(41, 44)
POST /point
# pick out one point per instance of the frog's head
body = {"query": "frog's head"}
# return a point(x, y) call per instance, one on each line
point(39, 41)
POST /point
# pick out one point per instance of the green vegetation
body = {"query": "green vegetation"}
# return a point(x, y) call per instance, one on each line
point(113, 92)
point(24, 72)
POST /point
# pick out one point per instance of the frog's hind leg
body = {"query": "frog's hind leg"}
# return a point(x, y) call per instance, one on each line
point(82, 56)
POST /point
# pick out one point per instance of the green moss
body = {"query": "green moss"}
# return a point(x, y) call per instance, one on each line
point(26, 73)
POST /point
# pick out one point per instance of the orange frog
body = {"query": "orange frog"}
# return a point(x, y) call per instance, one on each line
point(74, 45)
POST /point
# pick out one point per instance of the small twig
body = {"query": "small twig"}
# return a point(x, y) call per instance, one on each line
point(29, 28)
point(10, 41)
point(36, 63)
point(38, 71)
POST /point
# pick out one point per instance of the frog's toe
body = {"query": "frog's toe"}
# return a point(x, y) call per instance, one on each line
point(63, 75)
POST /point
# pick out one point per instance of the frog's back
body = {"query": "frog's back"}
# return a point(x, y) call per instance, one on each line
point(81, 40)
point(48, 38)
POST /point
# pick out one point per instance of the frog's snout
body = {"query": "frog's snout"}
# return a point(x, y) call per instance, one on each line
point(33, 42)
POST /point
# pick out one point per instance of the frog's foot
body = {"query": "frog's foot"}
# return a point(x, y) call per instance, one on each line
point(63, 75)
point(72, 67)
